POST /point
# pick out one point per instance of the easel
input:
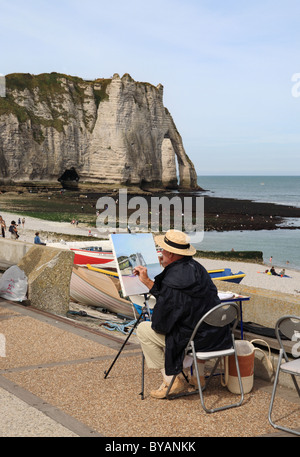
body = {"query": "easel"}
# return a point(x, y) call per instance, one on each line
point(144, 314)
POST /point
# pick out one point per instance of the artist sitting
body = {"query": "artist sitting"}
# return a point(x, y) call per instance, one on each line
point(184, 292)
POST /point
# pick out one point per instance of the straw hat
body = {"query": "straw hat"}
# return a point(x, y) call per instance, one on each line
point(176, 242)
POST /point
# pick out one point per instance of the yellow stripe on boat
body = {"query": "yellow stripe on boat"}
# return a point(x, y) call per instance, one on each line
point(100, 270)
point(225, 278)
point(221, 278)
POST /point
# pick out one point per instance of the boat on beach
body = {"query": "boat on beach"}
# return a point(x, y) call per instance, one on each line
point(225, 274)
point(99, 288)
point(92, 288)
point(97, 258)
point(96, 253)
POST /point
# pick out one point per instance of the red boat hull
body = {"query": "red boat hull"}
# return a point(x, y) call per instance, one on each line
point(83, 257)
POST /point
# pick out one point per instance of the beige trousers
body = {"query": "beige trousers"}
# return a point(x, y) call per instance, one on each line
point(153, 345)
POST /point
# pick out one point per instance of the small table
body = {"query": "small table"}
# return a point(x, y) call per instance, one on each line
point(239, 299)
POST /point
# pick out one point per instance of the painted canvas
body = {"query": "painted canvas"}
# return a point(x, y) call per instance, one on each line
point(129, 251)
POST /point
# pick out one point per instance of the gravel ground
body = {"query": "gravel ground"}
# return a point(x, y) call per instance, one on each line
point(66, 370)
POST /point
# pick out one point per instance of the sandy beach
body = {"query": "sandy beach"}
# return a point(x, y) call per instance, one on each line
point(33, 225)
point(256, 276)
point(255, 273)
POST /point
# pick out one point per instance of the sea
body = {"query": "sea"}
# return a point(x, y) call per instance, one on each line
point(283, 244)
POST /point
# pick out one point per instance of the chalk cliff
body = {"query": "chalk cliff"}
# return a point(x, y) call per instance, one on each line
point(116, 130)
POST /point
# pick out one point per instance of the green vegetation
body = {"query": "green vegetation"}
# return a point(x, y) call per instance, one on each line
point(47, 83)
point(56, 208)
point(49, 89)
point(243, 256)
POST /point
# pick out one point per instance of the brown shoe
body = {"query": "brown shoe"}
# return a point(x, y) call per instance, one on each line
point(194, 382)
point(177, 387)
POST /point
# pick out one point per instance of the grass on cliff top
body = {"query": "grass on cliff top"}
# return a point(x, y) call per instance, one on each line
point(45, 82)
point(48, 87)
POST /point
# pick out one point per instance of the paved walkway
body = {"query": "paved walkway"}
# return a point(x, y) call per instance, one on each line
point(52, 385)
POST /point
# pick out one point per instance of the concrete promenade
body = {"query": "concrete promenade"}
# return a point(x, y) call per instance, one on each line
point(52, 385)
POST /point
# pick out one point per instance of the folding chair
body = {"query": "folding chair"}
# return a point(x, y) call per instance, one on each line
point(289, 326)
point(219, 316)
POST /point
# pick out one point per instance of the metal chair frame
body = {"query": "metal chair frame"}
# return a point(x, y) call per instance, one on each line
point(289, 326)
point(219, 316)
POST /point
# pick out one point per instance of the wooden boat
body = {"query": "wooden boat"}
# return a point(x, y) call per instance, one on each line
point(96, 253)
point(225, 274)
point(97, 258)
point(99, 255)
point(93, 288)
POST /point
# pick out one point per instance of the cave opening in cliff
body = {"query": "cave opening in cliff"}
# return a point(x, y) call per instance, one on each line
point(69, 178)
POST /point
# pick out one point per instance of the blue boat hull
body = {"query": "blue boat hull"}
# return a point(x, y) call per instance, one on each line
point(227, 275)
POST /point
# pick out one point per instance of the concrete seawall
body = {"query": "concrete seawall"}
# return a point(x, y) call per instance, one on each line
point(11, 251)
point(265, 306)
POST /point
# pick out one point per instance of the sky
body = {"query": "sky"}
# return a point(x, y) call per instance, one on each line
point(230, 68)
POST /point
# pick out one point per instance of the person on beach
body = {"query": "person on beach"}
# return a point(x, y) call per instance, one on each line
point(2, 226)
point(37, 239)
point(23, 222)
point(13, 230)
point(184, 292)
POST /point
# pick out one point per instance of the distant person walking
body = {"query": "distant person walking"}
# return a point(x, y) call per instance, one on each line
point(23, 222)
